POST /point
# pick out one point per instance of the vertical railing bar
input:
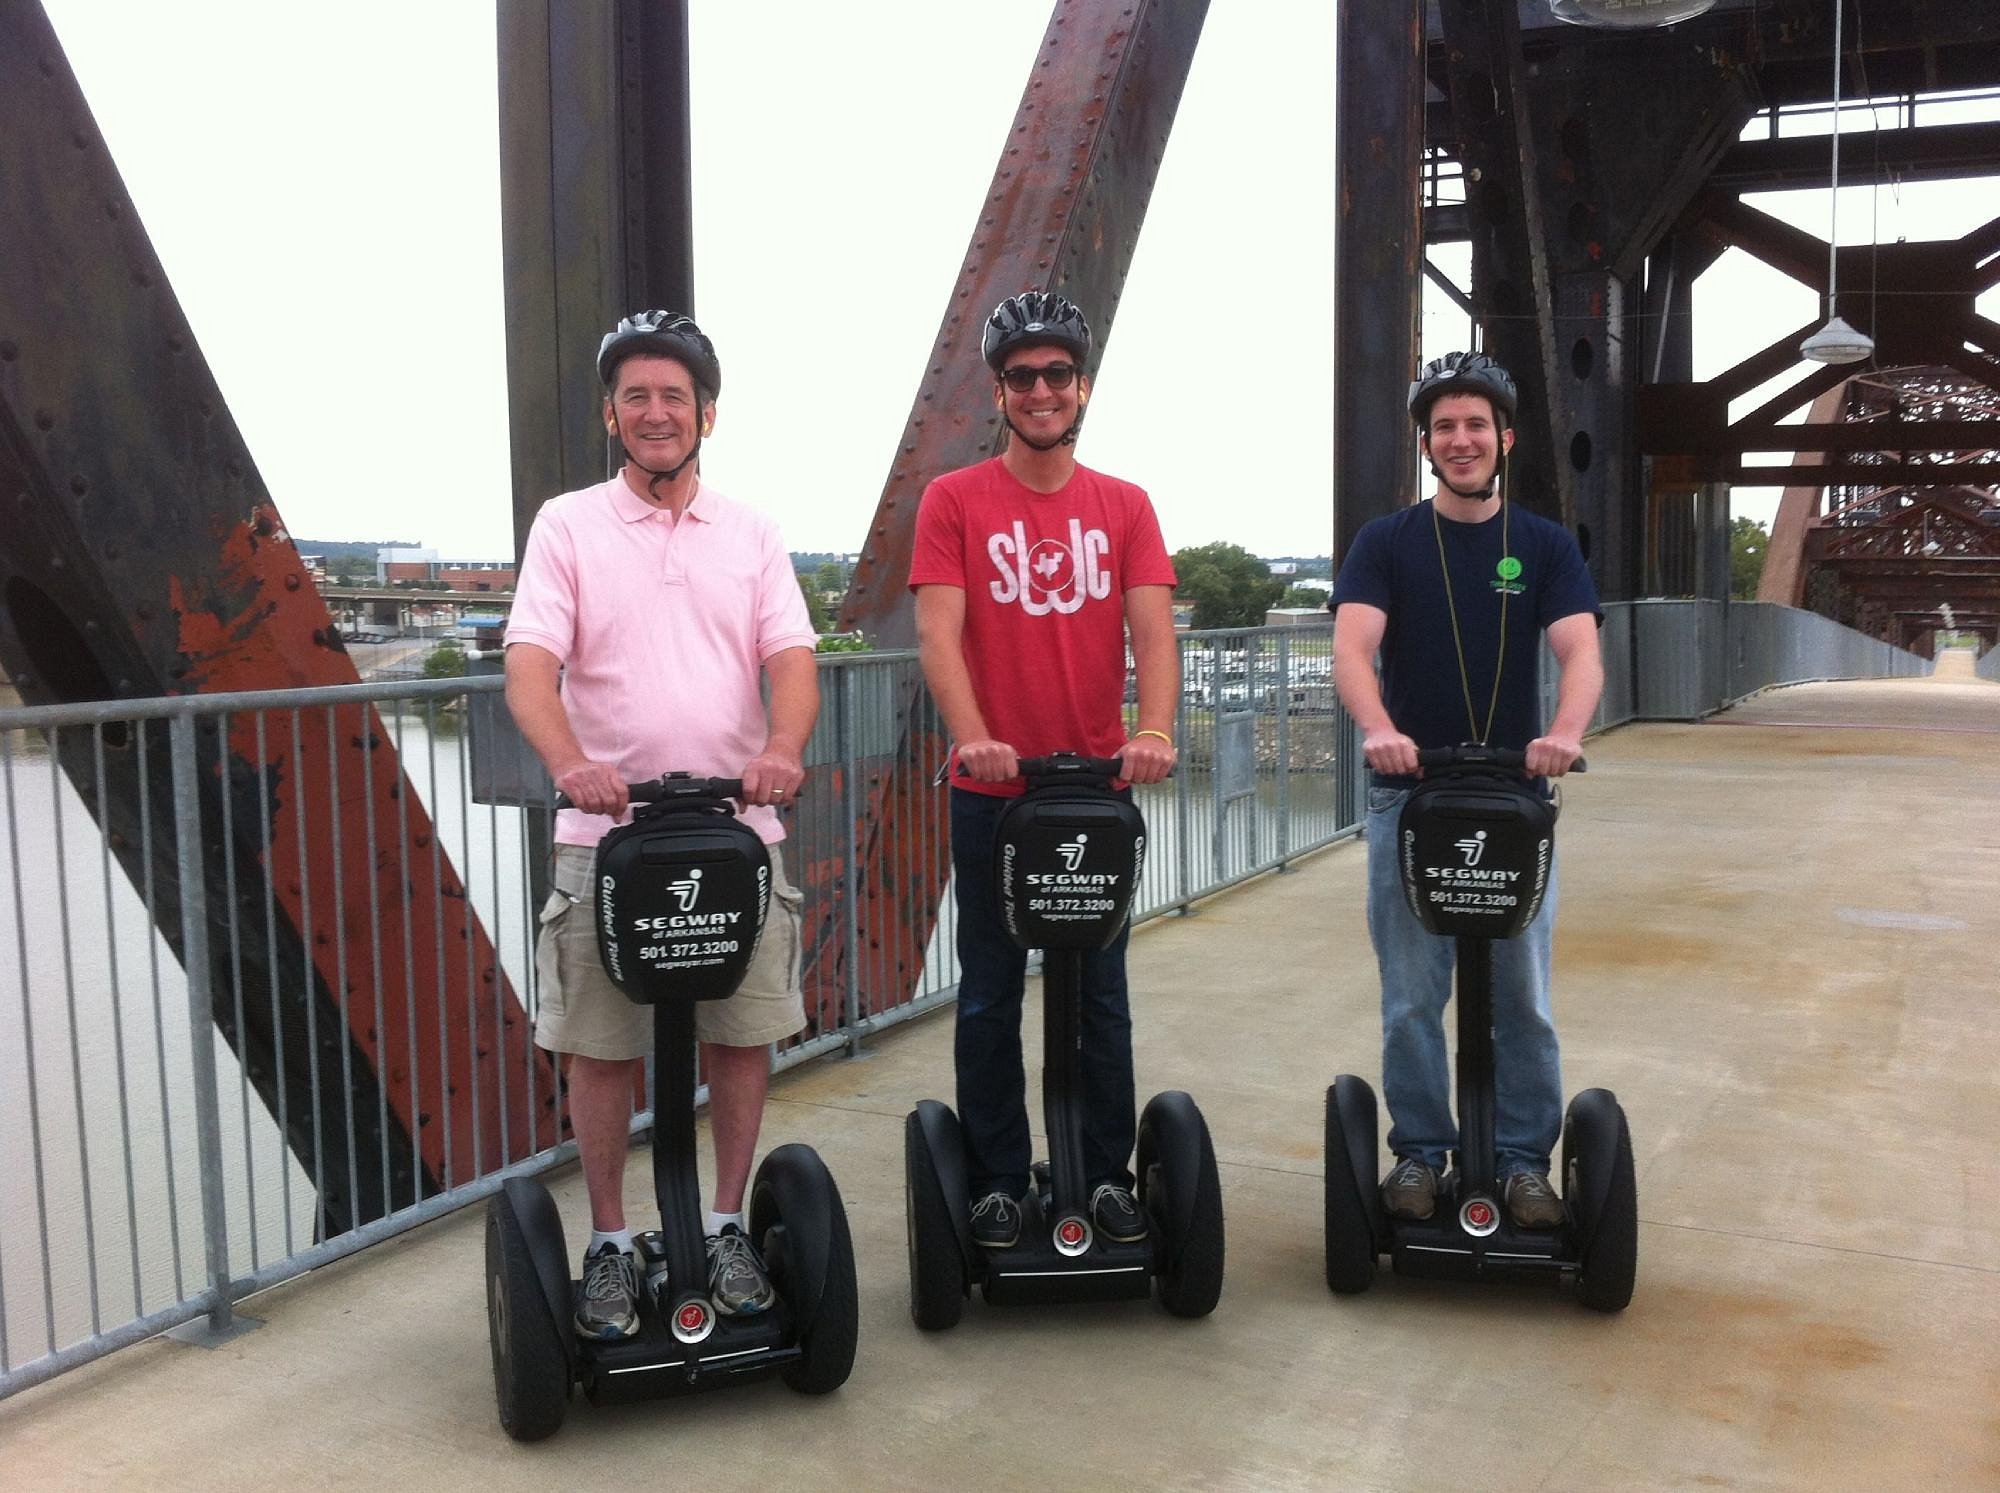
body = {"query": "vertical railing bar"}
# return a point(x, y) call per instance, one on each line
point(117, 1012)
point(437, 929)
point(406, 891)
point(850, 932)
point(265, 822)
point(28, 1044)
point(1183, 794)
point(75, 1052)
point(159, 1007)
point(1284, 845)
point(523, 773)
point(340, 962)
point(201, 1011)
point(308, 975)
point(222, 727)
point(465, 934)
point(368, 716)
point(499, 970)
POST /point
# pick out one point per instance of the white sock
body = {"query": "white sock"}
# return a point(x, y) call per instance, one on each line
point(716, 1220)
point(620, 1237)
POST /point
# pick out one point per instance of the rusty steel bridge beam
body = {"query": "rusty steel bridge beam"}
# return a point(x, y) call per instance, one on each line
point(1063, 213)
point(144, 557)
point(1378, 256)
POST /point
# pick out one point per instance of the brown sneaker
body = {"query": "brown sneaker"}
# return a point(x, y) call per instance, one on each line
point(1531, 1202)
point(1410, 1190)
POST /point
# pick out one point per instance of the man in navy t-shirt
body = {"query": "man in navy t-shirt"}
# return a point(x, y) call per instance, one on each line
point(1455, 594)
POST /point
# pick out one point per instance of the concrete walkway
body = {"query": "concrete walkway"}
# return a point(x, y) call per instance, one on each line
point(1777, 944)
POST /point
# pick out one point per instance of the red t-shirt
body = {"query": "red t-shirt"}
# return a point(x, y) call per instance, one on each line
point(1045, 577)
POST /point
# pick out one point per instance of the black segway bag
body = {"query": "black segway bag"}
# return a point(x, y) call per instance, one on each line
point(1067, 862)
point(1474, 850)
point(681, 899)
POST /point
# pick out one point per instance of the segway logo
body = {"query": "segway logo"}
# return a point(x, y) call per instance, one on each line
point(1471, 847)
point(1072, 1232)
point(1072, 852)
point(689, 887)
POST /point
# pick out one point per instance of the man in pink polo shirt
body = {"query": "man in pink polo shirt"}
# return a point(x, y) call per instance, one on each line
point(647, 608)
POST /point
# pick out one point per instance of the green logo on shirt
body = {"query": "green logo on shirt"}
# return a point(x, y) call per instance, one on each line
point(1509, 573)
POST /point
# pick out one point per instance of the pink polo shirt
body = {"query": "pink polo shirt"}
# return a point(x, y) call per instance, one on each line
point(662, 628)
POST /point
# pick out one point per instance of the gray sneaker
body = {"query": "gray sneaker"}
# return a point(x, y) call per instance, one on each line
point(609, 1307)
point(1410, 1190)
point(1531, 1202)
point(736, 1280)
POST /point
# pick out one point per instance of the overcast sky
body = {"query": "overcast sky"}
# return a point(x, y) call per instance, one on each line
point(303, 166)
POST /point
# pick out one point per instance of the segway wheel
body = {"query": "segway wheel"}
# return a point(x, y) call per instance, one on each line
point(531, 1378)
point(937, 1268)
point(800, 1225)
point(1603, 1197)
point(1182, 1196)
point(1350, 1186)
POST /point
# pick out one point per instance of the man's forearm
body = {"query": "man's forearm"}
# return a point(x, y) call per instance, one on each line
point(951, 687)
point(794, 700)
point(1158, 665)
point(1582, 682)
point(1361, 692)
point(537, 708)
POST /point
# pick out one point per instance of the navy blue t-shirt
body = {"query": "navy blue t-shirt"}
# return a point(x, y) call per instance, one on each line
point(1394, 565)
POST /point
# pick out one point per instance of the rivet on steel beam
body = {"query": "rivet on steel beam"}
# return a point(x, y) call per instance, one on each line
point(44, 420)
point(79, 484)
point(9, 352)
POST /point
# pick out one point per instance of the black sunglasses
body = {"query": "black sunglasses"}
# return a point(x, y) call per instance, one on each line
point(1056, 375)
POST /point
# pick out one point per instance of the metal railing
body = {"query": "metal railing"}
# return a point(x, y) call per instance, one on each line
point(229, 1050)
point(152, 1177)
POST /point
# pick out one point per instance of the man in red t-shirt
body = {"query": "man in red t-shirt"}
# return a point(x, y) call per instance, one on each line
point(1028, 570)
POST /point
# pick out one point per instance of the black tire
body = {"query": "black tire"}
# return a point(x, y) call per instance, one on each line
point(1182, 1195)
point(531, 1380)
point(800, 1225)
point(1350, 1226)
point(1603, 1196)
point(937, 1269)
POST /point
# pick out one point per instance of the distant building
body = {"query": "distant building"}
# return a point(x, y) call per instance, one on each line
point(1293, 616)
point(393, 565)
point(1285, 567)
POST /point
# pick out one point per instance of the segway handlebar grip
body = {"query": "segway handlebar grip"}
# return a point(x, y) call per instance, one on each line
point(673, 785)
point(1472, 755)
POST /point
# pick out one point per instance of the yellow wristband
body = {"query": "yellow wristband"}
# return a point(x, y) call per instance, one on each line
point(1161, 734)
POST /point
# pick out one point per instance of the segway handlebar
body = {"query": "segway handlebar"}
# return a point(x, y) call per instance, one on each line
point(1062, 765)
point(673, 786)
point(1473, 755)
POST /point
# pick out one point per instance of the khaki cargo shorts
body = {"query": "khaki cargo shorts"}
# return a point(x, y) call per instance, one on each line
point(582, 1012)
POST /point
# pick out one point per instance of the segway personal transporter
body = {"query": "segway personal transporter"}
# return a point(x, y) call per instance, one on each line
point(682, 895)
point(1474, 845)
point(1068, 856)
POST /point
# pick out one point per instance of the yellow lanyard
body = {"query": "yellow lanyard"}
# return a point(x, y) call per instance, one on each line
point(1457, 643)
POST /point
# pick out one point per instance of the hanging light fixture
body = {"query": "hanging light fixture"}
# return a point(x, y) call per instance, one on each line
point(1627, 15)
point(1836, 342)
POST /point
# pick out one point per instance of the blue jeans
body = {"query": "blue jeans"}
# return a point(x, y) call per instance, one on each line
point(992, 1083)
point(1416, 970)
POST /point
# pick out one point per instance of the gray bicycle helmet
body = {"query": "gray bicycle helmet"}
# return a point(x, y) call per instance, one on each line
point(1462, 373)
point(664, 333)
point(1031, 319)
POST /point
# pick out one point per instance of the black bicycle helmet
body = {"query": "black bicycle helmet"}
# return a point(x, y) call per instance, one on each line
point(1462, 373)
point(666, 333)
point(1030, 319)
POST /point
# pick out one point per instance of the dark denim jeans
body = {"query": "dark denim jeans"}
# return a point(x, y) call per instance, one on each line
point(992, 1084)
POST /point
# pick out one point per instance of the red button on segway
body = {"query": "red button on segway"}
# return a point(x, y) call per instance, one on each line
point(692, 1317)
point(1071, 1232)
point(1479, 1215)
